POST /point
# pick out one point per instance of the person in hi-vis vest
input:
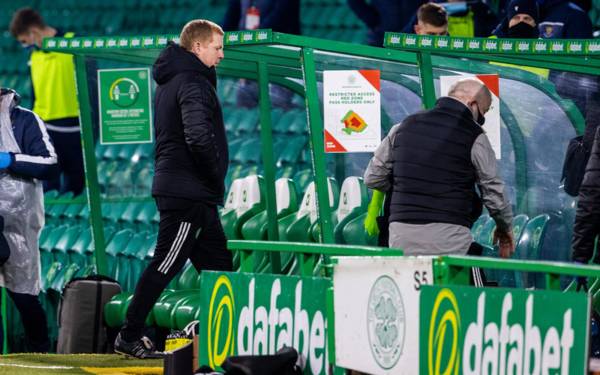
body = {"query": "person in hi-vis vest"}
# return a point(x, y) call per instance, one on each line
point(54, 97)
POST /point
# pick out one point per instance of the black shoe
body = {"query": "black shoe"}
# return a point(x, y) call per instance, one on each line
point(142, 348)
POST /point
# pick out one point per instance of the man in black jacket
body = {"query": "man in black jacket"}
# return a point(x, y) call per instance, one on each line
point(432, 163)
point(190, 168)
point(587, 220)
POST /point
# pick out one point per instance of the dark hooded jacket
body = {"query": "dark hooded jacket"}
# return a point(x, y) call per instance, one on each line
point(587, 219)
point(191, 145)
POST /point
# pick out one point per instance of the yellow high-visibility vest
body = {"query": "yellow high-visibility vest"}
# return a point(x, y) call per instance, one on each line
point(53, 79)
point(463, 26)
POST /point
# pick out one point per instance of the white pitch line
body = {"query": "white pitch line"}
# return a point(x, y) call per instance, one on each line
point(39, 367)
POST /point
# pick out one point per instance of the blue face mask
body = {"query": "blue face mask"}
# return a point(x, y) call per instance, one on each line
point(455, 8)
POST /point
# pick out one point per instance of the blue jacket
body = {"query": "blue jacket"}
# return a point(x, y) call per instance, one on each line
point(562, 19)
point(279, 15)
point(384, 15)
point(37, 158)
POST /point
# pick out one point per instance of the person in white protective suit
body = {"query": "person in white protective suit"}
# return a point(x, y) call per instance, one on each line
point(26, 157)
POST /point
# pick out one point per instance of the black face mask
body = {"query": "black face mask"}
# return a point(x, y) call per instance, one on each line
point(480, 118)
point(523, 30)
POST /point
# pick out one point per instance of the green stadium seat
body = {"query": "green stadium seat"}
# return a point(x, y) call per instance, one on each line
point(248, 197)
point(486, 234)
point(147, 216)
point(519, 223)
point(114, 248)
point(53, 237)
point(130, 214)
point(142, 183)
point(528, 248)
point(165, 308)
point(121, 183)
point(354, 232)
point(303, 178)
point(287, 203)
point(353, 202)
point(187, 311)
point(113, 212)
point(478, 226)
point(300, 230)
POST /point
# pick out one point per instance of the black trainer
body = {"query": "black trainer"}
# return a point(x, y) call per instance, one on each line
point(142, 348)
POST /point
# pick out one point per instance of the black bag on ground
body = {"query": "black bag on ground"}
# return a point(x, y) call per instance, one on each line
point(573, 171)
point(284, 362)
point(81, 327)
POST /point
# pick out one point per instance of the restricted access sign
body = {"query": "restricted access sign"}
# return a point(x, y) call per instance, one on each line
point(492, 117)
point(352, 110)
point(125, 106)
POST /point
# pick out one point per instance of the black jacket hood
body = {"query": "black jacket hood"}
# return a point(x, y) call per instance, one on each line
point(174, 60)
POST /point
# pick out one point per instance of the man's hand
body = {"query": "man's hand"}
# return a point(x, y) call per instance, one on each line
point(505, 242)
point(5, 160)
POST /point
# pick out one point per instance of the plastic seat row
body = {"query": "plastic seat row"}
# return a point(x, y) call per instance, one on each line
point(244, 217)
point(135, 215)
point(533, 239)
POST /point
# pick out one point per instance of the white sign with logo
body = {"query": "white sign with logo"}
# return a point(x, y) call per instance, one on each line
point(352, 110)
point(376, 304)
point(492, 117)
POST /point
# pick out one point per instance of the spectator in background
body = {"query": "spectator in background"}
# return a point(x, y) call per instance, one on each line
point(466, 19)
point(278, 15)
point(54, 97)
point(432, 19)
point(521, 20)
point(384, 15)
point(26, 156)
point(587, 220)
point(561, 19)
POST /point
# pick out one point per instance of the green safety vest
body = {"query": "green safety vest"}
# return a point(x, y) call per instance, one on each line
point(53, 79)
point(462, 26)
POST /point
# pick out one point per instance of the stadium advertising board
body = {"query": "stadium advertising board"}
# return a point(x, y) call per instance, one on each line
point(466, 330)
point(352, 110)
point(125, 106)
point(376, 304)
point(245, 314)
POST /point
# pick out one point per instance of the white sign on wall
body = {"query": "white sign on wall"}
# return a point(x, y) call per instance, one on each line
point(352, 110)
point(492, 118)
point(376, 304)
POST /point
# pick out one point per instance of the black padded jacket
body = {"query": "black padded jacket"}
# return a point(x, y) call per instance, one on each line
point(191, 145)
point(587, 220)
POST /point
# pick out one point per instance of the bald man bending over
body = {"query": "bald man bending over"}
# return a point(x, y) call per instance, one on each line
point(432, 163)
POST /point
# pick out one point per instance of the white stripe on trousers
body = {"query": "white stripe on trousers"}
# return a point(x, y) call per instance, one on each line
point(182, 233)
point(477, 280)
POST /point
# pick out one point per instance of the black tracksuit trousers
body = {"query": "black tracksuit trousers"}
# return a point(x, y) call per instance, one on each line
point(187, 230)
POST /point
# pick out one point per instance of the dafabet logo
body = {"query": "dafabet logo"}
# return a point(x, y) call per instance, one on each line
point(473, 331)
point(259, 314)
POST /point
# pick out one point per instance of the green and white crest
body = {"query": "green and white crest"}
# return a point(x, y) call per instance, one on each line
point(386, 322)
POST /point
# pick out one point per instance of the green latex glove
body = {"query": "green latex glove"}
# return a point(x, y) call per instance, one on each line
point(373, 212)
